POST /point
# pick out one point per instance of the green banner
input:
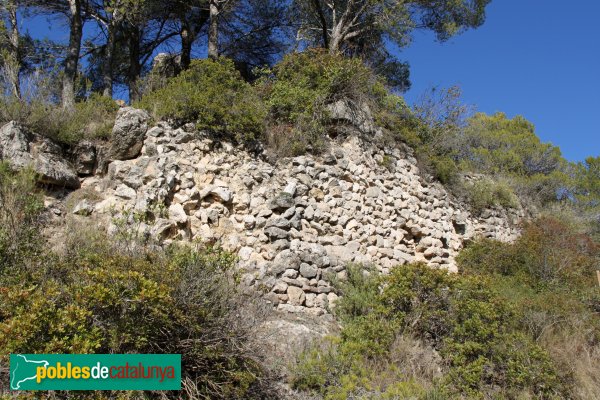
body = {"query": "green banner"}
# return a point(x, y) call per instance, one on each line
point(95, 371)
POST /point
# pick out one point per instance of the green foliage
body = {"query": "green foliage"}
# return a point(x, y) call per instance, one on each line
point(486, 193)
point(516, 162)
point(20, 206)
point(587, 191)
point(476, 332)
point(499, 144)
point(300, 88)
point(548, 276)
point(433, 129)
point(549, 251)
point(96, 298)
point(588, 182)
point(213, 94)
point(93, 118)
point(444, 169)
point(110, 303)
point(496, 145)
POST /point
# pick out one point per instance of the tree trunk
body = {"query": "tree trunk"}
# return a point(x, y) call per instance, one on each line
point(187, 39)
point(335, 44)
point(72, 59)
point(107, 68)
point(323, 22)
point(213, 30)
point(13, 65)
point(134, 65)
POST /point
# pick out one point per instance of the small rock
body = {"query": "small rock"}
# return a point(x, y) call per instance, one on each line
point(275, 233)
point(332, 298)
point(177, 213)
point(317, 194)
point(280, 287)
point(163, 228)
point(125, 192)
point(249, 222)
point(282, 202)
point(85, 157)
point(373, 192)
point(308, 271)
point(296, 296)
point(83, 208)
point(291, 188)
point(285, 260)
point(279, 222)
point(221, 193)
point(128, 133)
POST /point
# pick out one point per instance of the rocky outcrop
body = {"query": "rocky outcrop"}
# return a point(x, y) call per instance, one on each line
point(347, 112)
point(128, 133)
point(22, 149)
point(297, 223)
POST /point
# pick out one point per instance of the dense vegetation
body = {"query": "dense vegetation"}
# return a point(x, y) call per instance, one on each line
point(102, 296)
point(519, 321)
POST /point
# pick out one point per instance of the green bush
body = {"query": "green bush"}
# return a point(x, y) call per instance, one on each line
point(549, 251)
point(214, 96)
point(93, 118)
point(487, 193)
point(182, 302)
point(300, 88)
point(548, 275)
point(20, 206)
point(475, 331)
point(445, 169)
point(97, 298)
point(495, 144)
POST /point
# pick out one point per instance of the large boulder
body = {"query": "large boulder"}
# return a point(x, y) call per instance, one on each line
point(25, 149)
point(14, 145)
point(128, 133)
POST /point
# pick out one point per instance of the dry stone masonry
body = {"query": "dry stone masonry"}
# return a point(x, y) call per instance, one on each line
point(293, 224)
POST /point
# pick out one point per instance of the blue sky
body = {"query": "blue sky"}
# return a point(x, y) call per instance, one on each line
point(536, 58)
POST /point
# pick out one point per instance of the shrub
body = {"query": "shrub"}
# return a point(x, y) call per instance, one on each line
point(300, 88)
point(487, 193)
point(97, 298)
point(475, 331)
point(214, 95)
point(93, 118)
point(183, 302)
point(548, 251)
point(444, 169)
point(20, 207)
point(495, 144)
point(548, 275)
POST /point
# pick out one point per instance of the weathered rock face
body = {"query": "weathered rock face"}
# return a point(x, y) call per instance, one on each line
point(85, 157)
point(25, 149)
point(349, 113)
point(128, 133)
point(299, 222)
